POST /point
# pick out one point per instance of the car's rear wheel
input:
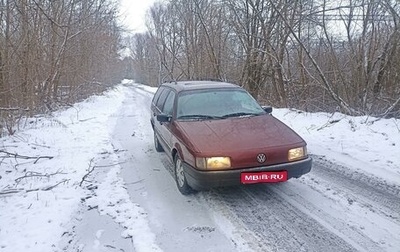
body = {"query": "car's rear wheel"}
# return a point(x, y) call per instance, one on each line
point(157, 144)
point(180, 177)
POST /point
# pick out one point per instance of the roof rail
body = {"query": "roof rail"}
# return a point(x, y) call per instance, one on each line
point(194, 79)
point(209, 79)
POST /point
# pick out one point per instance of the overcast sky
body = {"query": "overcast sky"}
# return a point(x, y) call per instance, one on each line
point(133, 13)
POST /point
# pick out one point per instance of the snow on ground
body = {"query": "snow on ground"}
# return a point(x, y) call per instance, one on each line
point(41, 189)
point(44, 167)
point(363, 143)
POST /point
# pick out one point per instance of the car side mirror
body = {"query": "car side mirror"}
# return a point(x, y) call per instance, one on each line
point(267, 109)
point(164, 118)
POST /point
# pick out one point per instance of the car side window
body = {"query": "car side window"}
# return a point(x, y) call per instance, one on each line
point(161, 100)
point(157, 94)
point(169, 104)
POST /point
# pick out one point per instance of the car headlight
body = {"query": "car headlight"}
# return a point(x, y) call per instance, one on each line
point(213, 163)
point(297, 153)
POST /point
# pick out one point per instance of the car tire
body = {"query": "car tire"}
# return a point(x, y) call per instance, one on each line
point(180, 177)
point(157, 144)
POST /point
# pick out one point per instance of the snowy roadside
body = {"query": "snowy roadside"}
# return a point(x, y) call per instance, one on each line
point(43, 175)
point(364, 144)
point(45, 186)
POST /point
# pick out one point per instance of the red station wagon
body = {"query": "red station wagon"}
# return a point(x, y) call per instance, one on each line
point(216, 134)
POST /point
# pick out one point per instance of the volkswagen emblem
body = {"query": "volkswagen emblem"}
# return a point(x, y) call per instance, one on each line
point(261, 158)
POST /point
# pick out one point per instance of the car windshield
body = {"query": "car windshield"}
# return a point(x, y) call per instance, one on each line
point(216, 104)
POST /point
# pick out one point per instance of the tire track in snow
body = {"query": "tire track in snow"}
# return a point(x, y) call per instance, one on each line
point(277, 225)
point(370, 192)
point(335, 220)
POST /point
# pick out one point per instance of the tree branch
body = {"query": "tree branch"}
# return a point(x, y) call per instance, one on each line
point(46, 188)
point(16, 155)
point(32, 174)
point(325, 81)
point(90, 170)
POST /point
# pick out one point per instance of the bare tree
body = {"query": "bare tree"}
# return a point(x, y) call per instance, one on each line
point(54, 52)
point(314, 55)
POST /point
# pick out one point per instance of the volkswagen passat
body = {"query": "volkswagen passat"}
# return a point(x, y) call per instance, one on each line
point(216, 134)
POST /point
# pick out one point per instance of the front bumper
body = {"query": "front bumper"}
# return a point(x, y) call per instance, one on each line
point(201, 180)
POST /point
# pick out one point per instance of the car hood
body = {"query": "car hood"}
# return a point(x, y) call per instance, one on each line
point(244, 133)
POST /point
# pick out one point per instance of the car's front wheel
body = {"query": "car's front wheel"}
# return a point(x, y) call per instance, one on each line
point(157, 144)
point(180, 178)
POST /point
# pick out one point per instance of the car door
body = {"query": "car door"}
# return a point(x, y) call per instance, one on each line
point(165, 129)
point(164, 105)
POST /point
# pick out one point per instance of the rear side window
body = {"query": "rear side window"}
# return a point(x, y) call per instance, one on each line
point(169, 104)
point(157, 94)
point(161, 100)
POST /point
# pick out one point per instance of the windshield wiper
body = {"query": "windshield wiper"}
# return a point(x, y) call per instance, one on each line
point(240, 114)
point(198, 117)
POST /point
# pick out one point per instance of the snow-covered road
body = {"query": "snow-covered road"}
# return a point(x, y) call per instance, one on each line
point(105, 188)
point(179, 223)
point(331, 209)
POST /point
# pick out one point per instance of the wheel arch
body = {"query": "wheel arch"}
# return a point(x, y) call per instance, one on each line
point(177, 149)
point(173, 153)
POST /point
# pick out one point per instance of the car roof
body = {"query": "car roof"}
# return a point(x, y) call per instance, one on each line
point(197, 85)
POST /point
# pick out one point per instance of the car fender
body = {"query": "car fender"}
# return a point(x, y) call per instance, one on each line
point(185, 153)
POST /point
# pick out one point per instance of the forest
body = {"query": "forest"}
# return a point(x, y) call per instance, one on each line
point(311, 55)
point(54, 53)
